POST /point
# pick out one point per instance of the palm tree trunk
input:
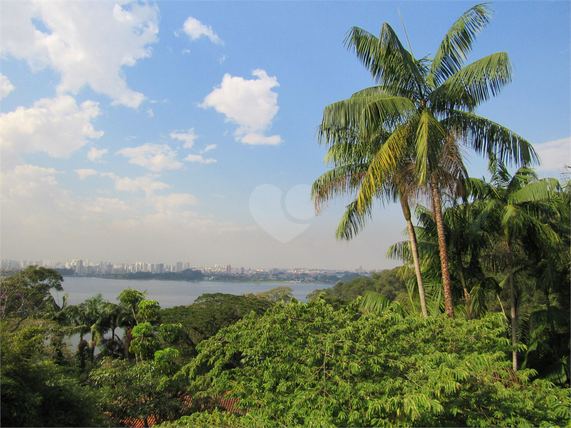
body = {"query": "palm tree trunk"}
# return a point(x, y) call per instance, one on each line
point(414, 248)
point(437, 208)
point(467, 295)
point(513, 308)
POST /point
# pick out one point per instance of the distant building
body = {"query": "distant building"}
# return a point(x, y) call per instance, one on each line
point(178, 267)
point(228, 270)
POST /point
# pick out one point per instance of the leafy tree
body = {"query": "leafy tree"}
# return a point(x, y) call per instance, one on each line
point(142, 390)
point(26, 294)
point(277, 294)
point(208, 314)
point(387, 283)
point(309, 365)
point(427, 106)
point(35, 390)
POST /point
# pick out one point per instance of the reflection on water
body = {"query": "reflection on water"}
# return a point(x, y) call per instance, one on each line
point(169, 293)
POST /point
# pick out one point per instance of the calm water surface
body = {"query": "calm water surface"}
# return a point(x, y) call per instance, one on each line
point(169, 293)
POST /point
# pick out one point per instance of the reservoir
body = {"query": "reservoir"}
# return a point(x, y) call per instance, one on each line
point(169, 293)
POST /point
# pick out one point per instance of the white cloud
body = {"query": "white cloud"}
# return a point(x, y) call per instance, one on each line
point(255, 138)
point(222, 59)
point(149, 185)
point(554, 155)
point(95, 155)
point(56, 126)
point(195, 29)
point(88, 43)
point(83, 173)
point(145, 183)
point(249, 103)
point(150, 112)
point(187, 137)
point(208, 148)
point(26, 180)
point(198, 158)
point(5, 86)
point(155, 157)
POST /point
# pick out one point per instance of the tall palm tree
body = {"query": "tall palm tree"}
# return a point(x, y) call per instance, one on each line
point(346, 178)
point(424, 105)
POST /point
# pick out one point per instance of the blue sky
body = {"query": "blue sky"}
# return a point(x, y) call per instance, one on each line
point(185, 131)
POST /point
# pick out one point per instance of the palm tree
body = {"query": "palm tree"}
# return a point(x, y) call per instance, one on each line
point(424, 105)
point(520, 206)
point(351, 159)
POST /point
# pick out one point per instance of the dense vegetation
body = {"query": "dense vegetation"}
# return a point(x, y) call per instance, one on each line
point(309, 365)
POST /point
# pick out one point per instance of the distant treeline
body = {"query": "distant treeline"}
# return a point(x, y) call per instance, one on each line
point(185, 275)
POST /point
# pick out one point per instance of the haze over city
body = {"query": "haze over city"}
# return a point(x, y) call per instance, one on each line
point(178, 130)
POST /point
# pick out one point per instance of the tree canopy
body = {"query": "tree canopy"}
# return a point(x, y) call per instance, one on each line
point(310, 365)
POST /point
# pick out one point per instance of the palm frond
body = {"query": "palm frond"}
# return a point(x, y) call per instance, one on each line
point(388, 61)
point(492, 139)
point(474, 84)
point(377, 303)
point(352, 222)
point(540, 190)
point(338, 181)
point(457, 43)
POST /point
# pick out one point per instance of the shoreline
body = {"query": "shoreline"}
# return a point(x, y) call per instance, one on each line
point(252, 281)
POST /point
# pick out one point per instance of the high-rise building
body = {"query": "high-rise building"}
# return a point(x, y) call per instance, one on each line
point(79, 267)
point(178, 267)
point(228, 269)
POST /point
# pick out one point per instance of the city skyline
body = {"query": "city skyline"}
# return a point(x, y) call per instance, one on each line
point(106, 267)
point(186, 130)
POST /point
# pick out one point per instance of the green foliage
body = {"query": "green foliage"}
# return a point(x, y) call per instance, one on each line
point(277, 294)
point(208, 314)
point(27, 293)
point(387, 283)
point(309, 365)
point(149, 311)
point(131, 299)
point(35, 390)
point(136, 391)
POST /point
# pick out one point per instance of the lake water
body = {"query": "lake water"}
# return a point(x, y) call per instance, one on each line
point(169, 293)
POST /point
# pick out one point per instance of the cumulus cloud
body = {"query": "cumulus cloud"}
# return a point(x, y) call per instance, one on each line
point(199, 159)
point(188, 137)
point(5, 86)
point(27, 180)
point(146, 183)
point(554, 155)
point(83, 173)
point(56, 126)
point(196, 29)
point(250, 104)
point(95, 155)
point(88, 43)
point(208, 148)
point(155, 157)
point(150, 185)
